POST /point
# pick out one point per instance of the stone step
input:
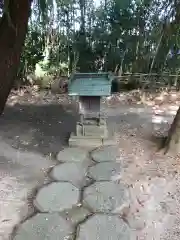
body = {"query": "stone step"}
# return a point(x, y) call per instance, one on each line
point(91, 130)
point(89, 141)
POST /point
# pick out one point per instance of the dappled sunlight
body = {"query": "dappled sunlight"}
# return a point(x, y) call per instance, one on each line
point(152, 177)
point(137, 110)
point(174, 107)
point(159, 119)
point(171, 112)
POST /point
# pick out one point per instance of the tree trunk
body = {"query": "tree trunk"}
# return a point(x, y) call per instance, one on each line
point(12, 35)
point(172, 143)
point(173, 140)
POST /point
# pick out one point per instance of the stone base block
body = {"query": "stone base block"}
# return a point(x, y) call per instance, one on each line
point(90, 130)
point(89, 141)
point(96, 131)
point(108, 141)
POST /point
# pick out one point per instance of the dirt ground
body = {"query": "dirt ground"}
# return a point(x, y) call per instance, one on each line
point(34, 127)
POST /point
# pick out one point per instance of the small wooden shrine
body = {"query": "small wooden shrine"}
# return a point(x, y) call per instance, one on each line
point(90, 88)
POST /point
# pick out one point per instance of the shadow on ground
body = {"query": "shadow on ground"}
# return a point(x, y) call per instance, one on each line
point(39, 128)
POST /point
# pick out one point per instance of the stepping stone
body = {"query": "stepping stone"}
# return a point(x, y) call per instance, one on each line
point(56, 197)
point(45, 226)
point(104, 227)
point(105, 197)
point(76, 214)
point(72, 172)
point(72, 154)
point(106, 154)
point(105, 171)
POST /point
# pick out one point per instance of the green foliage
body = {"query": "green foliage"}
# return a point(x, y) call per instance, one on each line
point(120, 36)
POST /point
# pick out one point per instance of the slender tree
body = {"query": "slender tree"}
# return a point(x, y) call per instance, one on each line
point(13, 28)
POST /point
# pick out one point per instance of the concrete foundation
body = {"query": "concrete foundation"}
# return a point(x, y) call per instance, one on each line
point(89, 141)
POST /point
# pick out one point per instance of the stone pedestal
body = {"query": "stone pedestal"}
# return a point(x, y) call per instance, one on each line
point(91, 134)
point(94, 130)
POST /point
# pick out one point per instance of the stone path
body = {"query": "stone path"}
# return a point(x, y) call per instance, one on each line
point(82, 202)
